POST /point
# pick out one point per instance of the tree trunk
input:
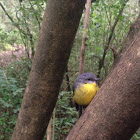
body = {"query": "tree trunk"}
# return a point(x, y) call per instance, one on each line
point(49, 130)
point(114, 113)
point(58, 30)
point(84, 37)
point(53, 131)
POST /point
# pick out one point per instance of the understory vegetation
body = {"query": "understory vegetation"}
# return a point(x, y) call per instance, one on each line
point(19, 30)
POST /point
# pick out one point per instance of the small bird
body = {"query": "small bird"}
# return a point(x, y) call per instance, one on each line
point(84, 89)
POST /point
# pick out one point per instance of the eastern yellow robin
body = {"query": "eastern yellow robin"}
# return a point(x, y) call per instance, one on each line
point(84, 89)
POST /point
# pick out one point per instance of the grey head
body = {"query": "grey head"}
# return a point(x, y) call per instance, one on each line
point(85, 78)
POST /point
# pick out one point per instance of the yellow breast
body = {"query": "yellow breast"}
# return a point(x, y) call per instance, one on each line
point(85, 93)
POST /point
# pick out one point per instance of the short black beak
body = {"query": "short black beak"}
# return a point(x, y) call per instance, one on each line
point(98, 79)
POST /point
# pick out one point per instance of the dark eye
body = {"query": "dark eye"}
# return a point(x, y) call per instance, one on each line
point(89, 79)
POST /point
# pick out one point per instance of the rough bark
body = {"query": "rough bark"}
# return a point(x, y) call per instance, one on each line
point(114, 113)
point(58, 30)
point(134, 30)
point(84, 37)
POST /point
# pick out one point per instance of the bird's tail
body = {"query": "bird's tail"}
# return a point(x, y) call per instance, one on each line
point(81, 109)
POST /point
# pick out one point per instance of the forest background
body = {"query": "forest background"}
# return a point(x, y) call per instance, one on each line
point(19, 30)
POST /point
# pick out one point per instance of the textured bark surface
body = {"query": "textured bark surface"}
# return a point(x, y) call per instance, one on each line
point(134, 30)
point(114, 113)
point(59, 27)
point(131, 37)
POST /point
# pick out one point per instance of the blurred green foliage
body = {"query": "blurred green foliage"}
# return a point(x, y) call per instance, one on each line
point(10, 100)
point(66, 115)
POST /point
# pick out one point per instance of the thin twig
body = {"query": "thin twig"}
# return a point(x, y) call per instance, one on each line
point(35, 14)
point(101, 62)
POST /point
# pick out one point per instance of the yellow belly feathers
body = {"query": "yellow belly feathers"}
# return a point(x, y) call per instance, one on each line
point(85, 93)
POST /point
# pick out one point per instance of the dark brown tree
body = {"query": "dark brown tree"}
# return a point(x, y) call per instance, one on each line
point(114, 113)
point(57, 34)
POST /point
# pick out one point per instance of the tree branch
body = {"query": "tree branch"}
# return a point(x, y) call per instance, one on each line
point(84, 37)
point(35, 14)
point(101, 62)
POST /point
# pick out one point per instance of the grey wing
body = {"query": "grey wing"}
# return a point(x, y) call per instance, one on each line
point(77, 83)
point(74, 86)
